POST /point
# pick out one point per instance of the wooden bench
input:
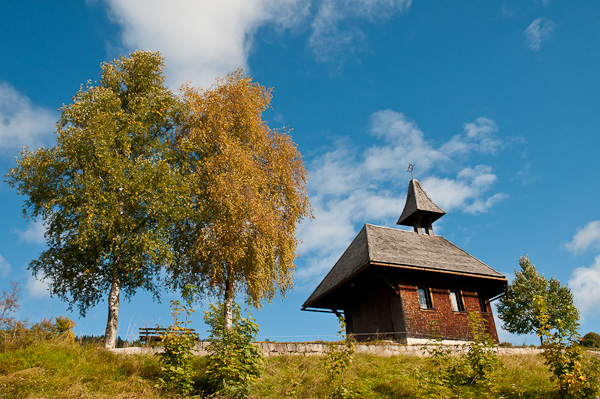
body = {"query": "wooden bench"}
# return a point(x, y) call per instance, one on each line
point(153, 334)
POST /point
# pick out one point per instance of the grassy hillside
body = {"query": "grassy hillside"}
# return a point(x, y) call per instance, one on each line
point(59, 369)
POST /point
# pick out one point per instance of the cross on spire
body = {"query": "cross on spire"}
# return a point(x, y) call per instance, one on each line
point(410, 169)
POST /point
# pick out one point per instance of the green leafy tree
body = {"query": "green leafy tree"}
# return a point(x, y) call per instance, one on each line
point(106, 191)
point(249, 187)
point(517, 309)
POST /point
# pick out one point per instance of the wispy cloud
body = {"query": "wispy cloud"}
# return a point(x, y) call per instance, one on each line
point(21, 122)
point(205, 39)
point(350, 186)
point(585, 281)
point(478, 135)
point(588, 236)
point(34, 234)
point(37, 288)
point(335, 31)
point(466, 192)
point(538, 31)
point(4, 268)
point(584, 284)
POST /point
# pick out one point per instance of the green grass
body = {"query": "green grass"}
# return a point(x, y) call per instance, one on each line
point(523, 376)
point(60, 369)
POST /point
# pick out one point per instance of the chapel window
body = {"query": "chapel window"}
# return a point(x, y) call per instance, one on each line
point(482, 304)
point(425, 298)
point(457, 302)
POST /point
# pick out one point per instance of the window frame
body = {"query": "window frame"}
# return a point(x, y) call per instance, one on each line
point(483, 304)
point(425, 302)
point(456, 301)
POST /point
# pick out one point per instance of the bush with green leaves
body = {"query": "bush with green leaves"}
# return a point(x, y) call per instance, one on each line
point(339, 358)
point(576, 375)
point(16, 334)
point(178, 341)
point(481, 358)
point(63, 327)
point(435, 383)
point(476, 367)
point(233, 363)
point(591, 340)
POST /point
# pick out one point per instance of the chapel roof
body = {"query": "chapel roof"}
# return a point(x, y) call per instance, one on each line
point(384, 246)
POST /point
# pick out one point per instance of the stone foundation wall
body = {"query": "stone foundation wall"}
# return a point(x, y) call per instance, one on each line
point(318, 349)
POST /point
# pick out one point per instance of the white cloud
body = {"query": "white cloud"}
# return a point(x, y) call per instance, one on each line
point(37, 288)
point(4, 268)
point(21, 123)
point(34, 234)
point(466, 192)
point(584, 284)
point(537, 32)
point(349, 187)
point(588, 236)
point(202, 40)
point(405, 143)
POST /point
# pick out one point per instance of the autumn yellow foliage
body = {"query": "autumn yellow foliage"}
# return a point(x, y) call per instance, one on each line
point(249, 183)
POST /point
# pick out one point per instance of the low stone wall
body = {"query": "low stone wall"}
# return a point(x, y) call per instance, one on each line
point(318, 348)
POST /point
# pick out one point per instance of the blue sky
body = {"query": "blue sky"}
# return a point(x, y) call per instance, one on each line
point(496, 103)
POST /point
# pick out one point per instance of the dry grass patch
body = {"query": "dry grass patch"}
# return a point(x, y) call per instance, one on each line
point(67, 370)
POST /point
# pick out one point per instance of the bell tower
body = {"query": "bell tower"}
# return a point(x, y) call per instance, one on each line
point(419, 211)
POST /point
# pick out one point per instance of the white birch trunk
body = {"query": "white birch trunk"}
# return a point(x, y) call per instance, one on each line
point(228, 305)
point(110, 336)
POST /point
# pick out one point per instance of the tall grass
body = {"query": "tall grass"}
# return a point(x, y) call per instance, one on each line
point(61, 369)
point(58, 368)
point(523, 376)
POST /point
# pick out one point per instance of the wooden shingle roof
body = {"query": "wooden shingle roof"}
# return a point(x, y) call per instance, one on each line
point(376, 245)
point(418, 204)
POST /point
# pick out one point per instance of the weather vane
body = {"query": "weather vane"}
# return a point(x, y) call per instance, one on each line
point(410, 169)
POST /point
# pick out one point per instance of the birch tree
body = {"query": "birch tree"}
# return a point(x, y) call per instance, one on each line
point(106, 191)
point(249, 187)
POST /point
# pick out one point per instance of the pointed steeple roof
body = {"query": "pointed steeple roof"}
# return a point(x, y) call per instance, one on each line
point(419, 209)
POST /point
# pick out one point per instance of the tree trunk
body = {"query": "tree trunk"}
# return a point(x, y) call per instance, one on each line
point(110, 336)
point(228, 305)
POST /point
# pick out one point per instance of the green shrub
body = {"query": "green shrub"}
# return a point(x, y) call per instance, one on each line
point(338, 360)
point(233, 363)
point(477, 366)
point(576, 376)
point(591, 340)
point(21, 334)
point(178, 341)
point(63, 327)
point(434, 381)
